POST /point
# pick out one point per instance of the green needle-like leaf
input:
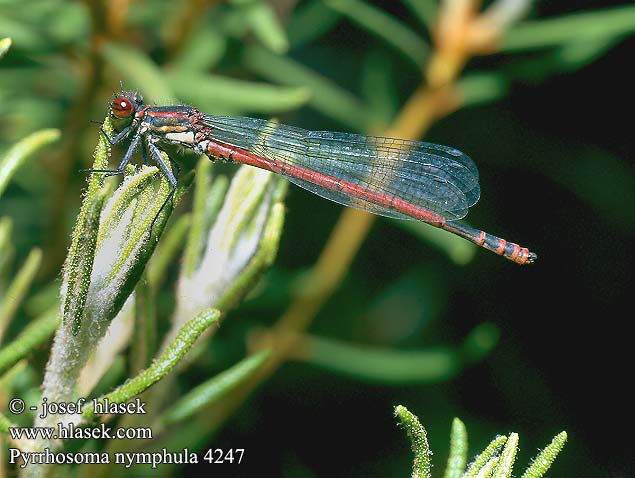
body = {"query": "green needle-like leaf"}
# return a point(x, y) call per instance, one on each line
point(546, 457)
point(380, 365)
point(79, 262)
point(168, 359)
point(222, 95)
point(241, 206)
point(419, 442)
point(31, 337)
point(579, 54)
point(214, 198)
point(132, 187)
point(481, 460)
point(18, 289)
point(144, 340)
point(146, 204)
point(458, 450)
point(195, 240)
point(489, 468)
point(507, 457)
point(19, 153)
point(577, 27)
point(6, 247)
point(209, 391)
point(262, 258)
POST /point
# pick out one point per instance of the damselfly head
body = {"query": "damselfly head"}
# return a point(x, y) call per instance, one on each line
point(125, 104)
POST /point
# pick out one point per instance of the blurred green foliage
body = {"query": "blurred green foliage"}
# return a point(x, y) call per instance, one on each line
point(336, 64)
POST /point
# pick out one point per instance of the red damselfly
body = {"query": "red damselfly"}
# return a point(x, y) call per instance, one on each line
point(391, 177)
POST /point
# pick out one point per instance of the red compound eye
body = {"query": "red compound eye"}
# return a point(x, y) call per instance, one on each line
point(121, 107)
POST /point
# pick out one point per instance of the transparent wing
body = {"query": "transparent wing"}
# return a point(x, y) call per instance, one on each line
point(437, 178)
